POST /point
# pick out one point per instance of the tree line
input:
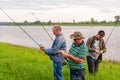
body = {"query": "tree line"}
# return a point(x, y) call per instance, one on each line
point(92, 21)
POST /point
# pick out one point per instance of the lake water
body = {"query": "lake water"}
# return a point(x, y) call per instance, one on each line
point(14, 35)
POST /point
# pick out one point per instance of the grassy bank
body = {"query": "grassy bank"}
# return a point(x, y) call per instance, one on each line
point(22, 63)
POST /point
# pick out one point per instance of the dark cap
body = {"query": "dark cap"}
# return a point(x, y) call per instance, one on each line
point(101, 33)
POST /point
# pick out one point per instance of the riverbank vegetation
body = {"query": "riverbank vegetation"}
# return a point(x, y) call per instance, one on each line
point(87, 23)
point(23, 63)
point(91, 22)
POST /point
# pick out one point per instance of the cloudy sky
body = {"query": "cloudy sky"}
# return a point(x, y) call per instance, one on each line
point(59, 10)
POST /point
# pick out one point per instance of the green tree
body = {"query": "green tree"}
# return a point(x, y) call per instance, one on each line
point(26, 22)
point(49, 22)
point(92, 20)
point(117, 18)
point(37, 22)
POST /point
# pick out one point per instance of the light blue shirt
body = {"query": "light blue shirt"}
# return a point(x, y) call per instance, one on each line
point(58, 44)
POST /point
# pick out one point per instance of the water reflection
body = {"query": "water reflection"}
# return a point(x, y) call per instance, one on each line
point(15, 36)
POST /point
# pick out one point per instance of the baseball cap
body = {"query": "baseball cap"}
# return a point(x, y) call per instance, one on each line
point(76, 35)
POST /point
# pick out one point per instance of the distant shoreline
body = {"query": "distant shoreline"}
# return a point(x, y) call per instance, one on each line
point(62, 23)
point(81, 25)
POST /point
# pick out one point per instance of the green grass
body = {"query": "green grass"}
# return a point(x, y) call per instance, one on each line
point(108, 70)
point(22, 63)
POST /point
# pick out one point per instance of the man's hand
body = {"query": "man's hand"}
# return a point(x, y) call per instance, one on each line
point(97, 51)
point(66, 55)
point(42, 48)
point(101, 51)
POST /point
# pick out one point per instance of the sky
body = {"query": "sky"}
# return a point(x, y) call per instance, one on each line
point(59, 10)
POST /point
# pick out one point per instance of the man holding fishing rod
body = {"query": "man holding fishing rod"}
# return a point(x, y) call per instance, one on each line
point(58, 44)
point(96, 47)
point(58, 59)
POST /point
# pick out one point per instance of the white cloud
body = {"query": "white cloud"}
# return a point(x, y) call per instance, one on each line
point(60, 10)
point(37, 3)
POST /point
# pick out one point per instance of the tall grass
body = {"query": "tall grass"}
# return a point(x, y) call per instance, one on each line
point(22, 63)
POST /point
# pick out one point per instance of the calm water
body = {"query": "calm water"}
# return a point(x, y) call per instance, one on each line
point(15, 36)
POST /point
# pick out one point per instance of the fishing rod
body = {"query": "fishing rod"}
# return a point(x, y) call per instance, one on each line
point(65, 62)
point(100, 56)
point(43, 27)
point(111, 32)
point(20, 27)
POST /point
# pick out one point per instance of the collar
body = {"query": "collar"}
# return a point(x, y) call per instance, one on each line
point(79, 44)
point(58, 35)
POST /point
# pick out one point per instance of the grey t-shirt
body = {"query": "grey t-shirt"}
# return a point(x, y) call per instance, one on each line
point(96, 47)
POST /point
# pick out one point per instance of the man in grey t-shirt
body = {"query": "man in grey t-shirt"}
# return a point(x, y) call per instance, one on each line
point(96, 47)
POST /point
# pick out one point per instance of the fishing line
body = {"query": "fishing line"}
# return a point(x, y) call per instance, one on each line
point(100, 56)
point(111, 32)
point(65, 62)
point(20, 27)
point(43, 26)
